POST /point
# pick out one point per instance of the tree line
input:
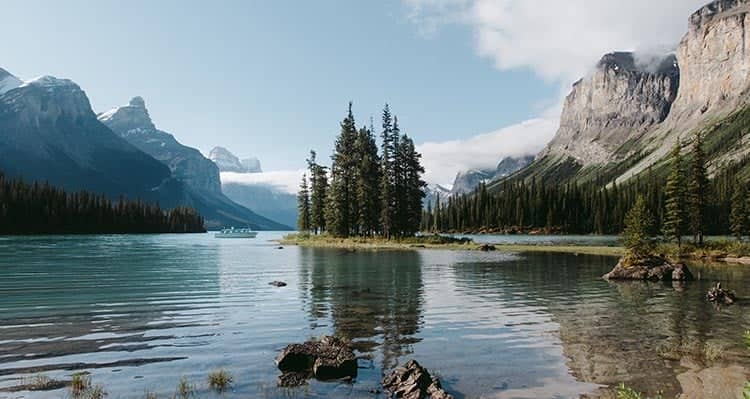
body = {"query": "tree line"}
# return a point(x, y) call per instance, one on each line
point(44, 209)
point(681, 197)
point(368, 191)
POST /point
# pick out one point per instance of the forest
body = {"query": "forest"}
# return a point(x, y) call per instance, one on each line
point(39, 208)
point(682, 199)
point(369, 192)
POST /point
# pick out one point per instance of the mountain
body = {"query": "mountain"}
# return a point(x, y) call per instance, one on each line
point(466, 182)
point(228, 162)
point(48, 132)
point(433, 191)
point(8, 81)
point(264, 199)
point(623, 118)
point(200, 175)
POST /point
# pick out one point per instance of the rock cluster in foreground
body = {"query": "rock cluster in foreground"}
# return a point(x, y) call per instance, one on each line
point(720, 295)
point(649, 269)
point(412, 381)
point(326, 359)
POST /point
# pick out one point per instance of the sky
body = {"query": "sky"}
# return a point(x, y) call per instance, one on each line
point(472, 81)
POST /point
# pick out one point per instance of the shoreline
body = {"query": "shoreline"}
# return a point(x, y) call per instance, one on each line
point(415, 244)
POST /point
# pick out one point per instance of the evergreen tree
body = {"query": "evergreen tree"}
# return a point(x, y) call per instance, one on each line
point(342, 219)
point(637, 233)
point(387, 182)
point(411, 189)
point(303, 206)
point(436, 226)
point(368, 183)
point(697, 189)
point(318, 194)
point(675, 217)
point(739, 217)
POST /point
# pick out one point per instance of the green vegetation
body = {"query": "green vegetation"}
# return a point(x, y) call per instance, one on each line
point(42, 383)
point(638, 230)
point(81, 388)
point(738, 218)
point(414, 242)
point(624, 392)
point(369, 194)
point(682, 202)
point(220, 380)
point(675, 215)
point(43, 209)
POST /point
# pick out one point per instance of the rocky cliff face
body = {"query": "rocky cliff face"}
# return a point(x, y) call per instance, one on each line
point(48, 132)
point(133, 123)
point(619, 101)
point(8, 81)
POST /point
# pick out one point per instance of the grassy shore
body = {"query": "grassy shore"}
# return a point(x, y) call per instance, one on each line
point(436, 242)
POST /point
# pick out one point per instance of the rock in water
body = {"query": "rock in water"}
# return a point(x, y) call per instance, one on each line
point(327, 359)
point(720, 295)
point(649, 269)
point(487, 248)
point(412, 381)
point(277, 283)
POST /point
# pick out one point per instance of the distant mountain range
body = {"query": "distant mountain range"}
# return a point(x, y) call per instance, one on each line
point(266, 199)
point(48, 132)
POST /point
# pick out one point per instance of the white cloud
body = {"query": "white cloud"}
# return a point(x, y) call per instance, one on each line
point(442, 160)
point(558, 40)
point(283, 180)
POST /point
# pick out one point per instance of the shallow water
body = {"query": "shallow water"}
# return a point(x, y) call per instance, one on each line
point(139, 312)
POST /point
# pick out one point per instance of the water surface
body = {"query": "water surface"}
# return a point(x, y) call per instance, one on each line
point(139, 312)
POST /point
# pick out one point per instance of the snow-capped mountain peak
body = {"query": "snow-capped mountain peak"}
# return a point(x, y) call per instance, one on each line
point(134, 116)
point(228, 162)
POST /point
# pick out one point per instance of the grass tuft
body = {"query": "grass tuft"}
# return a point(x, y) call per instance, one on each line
point(79, 384)
point(185, 389)
point(220, 380)
point(624, 392)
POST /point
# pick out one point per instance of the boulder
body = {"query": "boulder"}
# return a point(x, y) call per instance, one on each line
point(649, 269)
point(721, 296)
point(412, 381)
point(487, 248)
point(326, 359)
point(277, 283)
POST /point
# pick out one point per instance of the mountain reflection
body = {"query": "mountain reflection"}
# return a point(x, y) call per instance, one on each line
point(373, 298)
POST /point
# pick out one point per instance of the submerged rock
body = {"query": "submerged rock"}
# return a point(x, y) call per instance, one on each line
point(327, 359)
point(412, 381)
point(277, 283)
point(487, 248)
point(649, 269)
point(720, 295)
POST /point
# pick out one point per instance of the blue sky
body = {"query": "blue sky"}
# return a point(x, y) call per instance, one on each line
point(471, 80)
point(269, 78)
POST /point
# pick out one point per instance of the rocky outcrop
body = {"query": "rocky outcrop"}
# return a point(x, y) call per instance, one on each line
point(228, 162)
point(326, 359)
point(649, 269)
point(619, 101)
point(133, 123)
point(412, 381)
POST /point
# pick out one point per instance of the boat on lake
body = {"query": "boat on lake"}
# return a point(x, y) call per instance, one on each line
point(236, 233)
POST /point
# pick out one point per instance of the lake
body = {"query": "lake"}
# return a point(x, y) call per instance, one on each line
point(140, 312)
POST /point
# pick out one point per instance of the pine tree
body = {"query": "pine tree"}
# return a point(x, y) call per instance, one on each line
point(368, 183)
point(388, 203)
point(675, 217)
point(342, 220)
point(697, 189)
point(303, 206)
point(637, 233)
point(411, 187)
point(739, 217)
point(318, 194)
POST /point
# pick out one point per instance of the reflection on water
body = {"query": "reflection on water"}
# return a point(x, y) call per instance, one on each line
point(373, 298)
point(141, 311)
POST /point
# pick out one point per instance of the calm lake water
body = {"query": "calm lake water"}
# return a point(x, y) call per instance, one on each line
point(139, 312)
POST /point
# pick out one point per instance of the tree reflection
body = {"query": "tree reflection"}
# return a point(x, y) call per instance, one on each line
point(373, 298)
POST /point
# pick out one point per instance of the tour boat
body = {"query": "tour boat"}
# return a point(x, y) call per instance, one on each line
point(236, 233)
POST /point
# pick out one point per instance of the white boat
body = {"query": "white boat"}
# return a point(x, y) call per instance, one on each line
point(236, 233)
